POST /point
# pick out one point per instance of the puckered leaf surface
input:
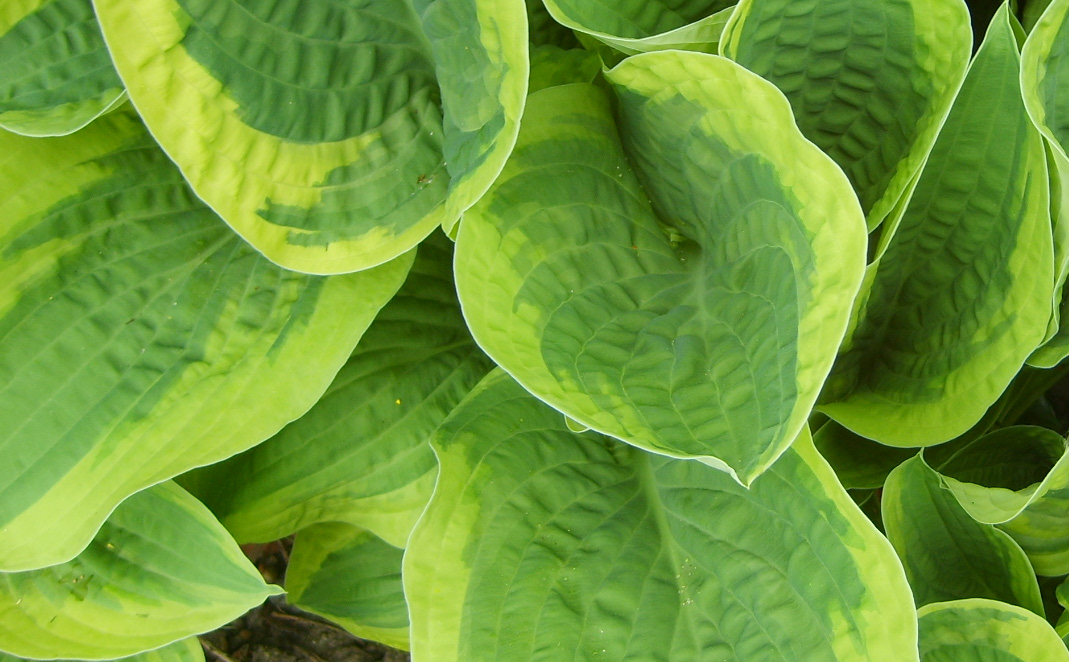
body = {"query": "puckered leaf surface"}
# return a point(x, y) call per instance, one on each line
point(962, 294)
point(139, 336)
point(870, 81)
point(988, 630)
point(543, 544)
point(161, 568)
point(681, 284)
point(351, 577)
point(362, 454)
point(642, 26)
point(55, 72)
point(332, 136)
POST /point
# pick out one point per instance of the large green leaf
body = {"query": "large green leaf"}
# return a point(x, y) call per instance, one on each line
point(543, 544)
point(351, 577)
point(332, 136)
point(691, 305)
point(947, 554)
point(1044, 68)
point(55, 73)
point(161, 568)
point(963, 293)
point(139, 337)
point(184, 650)
point(361, 454)
point(642, 26)
point(987, 630)
point(870, 81)
point(1018, 478)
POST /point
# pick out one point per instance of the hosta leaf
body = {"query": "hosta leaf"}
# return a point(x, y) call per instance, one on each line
point(332, 136)
point(977, 629)
point(699, 325)
point(184, 650)
point(870, 81)
point(552, 66)
point(947, 554)
point(161, 568)
point(139, 337)
point(962, 294)
point(1018, 478)
point(642, 26)
point(362, 453)
point(351, 577)
point(1044, 64)
point(543, 544)
point(55, 73)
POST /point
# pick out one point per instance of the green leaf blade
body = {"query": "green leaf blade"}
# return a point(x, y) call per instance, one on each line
point(582, 289)
point(55, 73)
point(139, 337)
point(541, 542)
point(978, 629)
point(161, 569)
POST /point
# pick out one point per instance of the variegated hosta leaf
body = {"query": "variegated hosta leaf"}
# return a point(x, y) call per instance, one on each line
point(351, 577)
point(988, 630)
point(947, 554)
point(183, 650)
point(643, 26)
point(540, 543)
point(1018, 478)
point(55, 72)
point(139, 337)
point(160, 569)
point(1044, 68)
point(963, 293)
point(332, 136)
point(700, 324)
point(361, 454)
point(552, 66)
point(870, 81)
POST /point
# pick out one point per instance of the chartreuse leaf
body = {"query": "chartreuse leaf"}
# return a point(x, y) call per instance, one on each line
point(351, 577)
point(870, 81)
point(183, 650)
point(55, 73)
point(962, 294)
point(1044, 68)
point(988, 630)
point(543, 544)
point(332, 136)
point(139, 337)
point(641, 26)
point(160, 569)
point(699, 325)
point(1018, 478)
point(362, 453)
point(947, 554)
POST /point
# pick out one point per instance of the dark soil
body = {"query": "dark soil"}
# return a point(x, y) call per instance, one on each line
point(279, 632)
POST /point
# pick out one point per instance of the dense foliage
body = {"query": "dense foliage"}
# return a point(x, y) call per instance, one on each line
point(645, 330)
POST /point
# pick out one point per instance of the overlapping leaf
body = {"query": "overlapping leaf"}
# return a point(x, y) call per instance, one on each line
point(55, 73)
point(962, 295)
point(543, 544)
point(977, 629)
point(351, 577)
point(332, 136)
point(139, 337)
point(361, 454)
point(161, 569)
point(947, 554)
point(691, 306)
point(1018, 478)
point(870, 81)
point(641, 26)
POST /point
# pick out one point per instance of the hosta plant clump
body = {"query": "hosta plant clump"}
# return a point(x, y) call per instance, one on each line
point(627, 331)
